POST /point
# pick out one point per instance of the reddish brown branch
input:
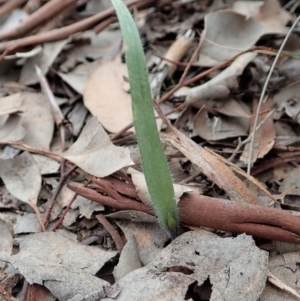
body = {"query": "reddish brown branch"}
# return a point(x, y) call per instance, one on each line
point(108, 201)
point(268, 223)
point(203, 211)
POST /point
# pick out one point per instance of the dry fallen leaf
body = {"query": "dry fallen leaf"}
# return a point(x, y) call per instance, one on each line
point(104, 45)
point(264, 138)
point(227, 33)
point(11, 129)
point(36, 119)
point(291, 182)
point(287, 100)
point(219, 127)
point(44, 60)
point(95, 154)
point(85, 206)
point(106, 98)
point(22, 178)
point(150, 238)
point(66, 268)
point(45, 164)
point(234, 268)
point(129, 259)
point(13, 20)
point(268, 13)
point(220, 85)
point(77, 78)
point(6, 240)
point(285, 268)
point(217, 169)
point(139, 182)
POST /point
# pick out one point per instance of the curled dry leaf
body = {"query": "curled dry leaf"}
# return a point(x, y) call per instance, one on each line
point(220, 85)
point(95, 154)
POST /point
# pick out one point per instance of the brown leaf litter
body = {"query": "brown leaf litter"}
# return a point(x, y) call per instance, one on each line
point(76, 218)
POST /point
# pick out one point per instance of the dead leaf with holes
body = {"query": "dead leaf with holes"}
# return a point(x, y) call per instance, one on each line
point(95, 154)
point(236, 270)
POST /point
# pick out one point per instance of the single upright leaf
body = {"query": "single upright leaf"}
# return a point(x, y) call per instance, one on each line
point(156, 169)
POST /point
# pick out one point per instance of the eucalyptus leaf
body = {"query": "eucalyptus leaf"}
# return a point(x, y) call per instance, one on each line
point(155, 166)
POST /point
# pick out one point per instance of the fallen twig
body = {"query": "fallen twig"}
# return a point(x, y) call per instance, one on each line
point(64, 32)
point(44, 13)
point(9, 6)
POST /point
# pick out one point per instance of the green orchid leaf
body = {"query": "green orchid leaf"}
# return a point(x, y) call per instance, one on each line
point(155, 166)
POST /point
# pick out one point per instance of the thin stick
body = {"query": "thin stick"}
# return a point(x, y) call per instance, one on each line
point(64, 32)
point(10, 6)
point(262, 96)
point(112, 231)
point(63, 177)
point(47, 11)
